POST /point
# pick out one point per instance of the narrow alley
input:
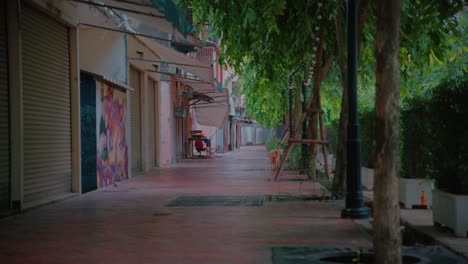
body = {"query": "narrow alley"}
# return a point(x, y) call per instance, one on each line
point(220, 210)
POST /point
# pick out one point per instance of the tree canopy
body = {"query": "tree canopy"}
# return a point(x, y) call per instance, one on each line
point(268, 41)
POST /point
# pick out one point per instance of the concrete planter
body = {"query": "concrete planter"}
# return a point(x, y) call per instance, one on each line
point(452, 211)
point(412, 190)
point(367, 178)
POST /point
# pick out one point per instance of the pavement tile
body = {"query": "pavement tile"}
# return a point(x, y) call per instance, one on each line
point(130, 223)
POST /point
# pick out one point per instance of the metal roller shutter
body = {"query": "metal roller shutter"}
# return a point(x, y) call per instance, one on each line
point(151, 122)
point(46, 104)
point(136, 122)
point(4, 116)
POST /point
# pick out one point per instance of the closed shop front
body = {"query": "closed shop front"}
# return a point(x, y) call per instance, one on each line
point(152, 122)
point(46, 106)
point(135, 109)
point(4, 115)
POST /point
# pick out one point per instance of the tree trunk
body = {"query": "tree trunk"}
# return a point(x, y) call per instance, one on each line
point(323, 136)
point(339, 180)
point(297, 113)
point(313, 134)
point(387, 237)
point(320, 74)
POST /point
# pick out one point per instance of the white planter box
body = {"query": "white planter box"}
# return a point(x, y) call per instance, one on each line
point(411, 192)
point(367, 178)
point(451, 210)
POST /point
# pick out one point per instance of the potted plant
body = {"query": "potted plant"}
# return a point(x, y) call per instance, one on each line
point(449, 114)
point(415, 183)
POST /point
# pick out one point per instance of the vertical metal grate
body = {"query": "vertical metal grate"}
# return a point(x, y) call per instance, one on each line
point(135, 109)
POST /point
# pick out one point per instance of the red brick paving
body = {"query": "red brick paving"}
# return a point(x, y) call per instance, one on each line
point(130, 223)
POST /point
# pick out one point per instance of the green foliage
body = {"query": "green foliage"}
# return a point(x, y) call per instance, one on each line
point(272, 144)
point(295, 159)
point(332, 135)
point(265, 100)
point(367, 129)
point(435, 138)
point(417, 140)
point(428, 33)
point(431, 42)
point(266, 42)
point(449, 112)
point(454, 65)
point(331, 92)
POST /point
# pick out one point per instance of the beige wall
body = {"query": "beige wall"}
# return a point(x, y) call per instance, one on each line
point(136, 49)
point(65, 11)
point(167, 131)
point(103, 52)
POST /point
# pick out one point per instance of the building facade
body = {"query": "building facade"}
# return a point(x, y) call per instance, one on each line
point(86, 100)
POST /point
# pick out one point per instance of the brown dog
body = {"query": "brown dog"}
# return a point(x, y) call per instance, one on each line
point(274, 156)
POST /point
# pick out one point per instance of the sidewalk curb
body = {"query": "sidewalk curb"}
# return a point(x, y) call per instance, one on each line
point(423, 234)
point(431, 238)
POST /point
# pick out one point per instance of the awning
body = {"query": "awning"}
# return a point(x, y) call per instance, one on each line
point(215, 112)
point(106, 79)
point(213, 109)
point(197, 70)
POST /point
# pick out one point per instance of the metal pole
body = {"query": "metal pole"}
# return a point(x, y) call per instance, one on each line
point(290, 109)
point(354, 198)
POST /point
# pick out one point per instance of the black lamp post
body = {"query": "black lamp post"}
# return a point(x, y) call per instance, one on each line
point(290, 81)
point(354, 198)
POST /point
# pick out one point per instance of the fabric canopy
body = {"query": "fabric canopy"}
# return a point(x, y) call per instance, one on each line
point(213, 110)
point(214, 113)
point(202, 72)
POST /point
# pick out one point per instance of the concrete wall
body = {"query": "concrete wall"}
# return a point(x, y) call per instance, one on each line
point(255, 135)
point(137, 50)
point(167, 125)
point(103, 52)
point(63, 10)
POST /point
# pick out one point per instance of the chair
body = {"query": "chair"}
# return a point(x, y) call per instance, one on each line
point(211, 153)
point(199, 146)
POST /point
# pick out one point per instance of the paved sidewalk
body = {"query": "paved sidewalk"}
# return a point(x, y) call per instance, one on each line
point(130, 223)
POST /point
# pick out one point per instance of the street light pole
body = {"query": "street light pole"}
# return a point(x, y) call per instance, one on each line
point(290, 83)
point(354, 197)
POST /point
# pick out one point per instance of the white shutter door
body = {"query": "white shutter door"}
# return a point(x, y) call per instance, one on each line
point(136, 122)
point(151, 122)
point(4, 119)
point(46, 104)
